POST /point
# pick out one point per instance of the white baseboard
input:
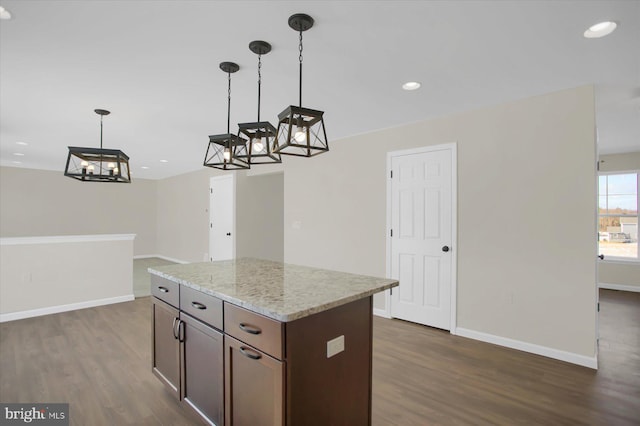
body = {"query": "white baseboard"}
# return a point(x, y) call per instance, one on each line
point(13, 316)
point(170, 259)
point(621, 287)
point(585, 361)
point(381, 313)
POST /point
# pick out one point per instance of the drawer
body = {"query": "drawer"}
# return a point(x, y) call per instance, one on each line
point(202, 306)
point(254, 329)
point(165, 290)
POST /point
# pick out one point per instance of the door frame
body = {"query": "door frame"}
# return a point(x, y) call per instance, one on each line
point(386, 312)
point(233, 211)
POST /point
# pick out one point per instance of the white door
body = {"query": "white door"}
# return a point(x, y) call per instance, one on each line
point(222, 218)
point(421, 235)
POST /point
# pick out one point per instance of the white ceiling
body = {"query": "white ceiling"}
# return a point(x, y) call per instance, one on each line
point(154, 65)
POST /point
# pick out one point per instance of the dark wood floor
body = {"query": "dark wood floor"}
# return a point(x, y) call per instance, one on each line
point(98, 360)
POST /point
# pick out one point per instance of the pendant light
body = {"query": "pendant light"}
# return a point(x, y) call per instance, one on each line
point(301, 130)
point(224, 150)
point(261, 134)
point(98, 164)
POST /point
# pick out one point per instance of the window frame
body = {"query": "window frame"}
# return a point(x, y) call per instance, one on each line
point(609, 258)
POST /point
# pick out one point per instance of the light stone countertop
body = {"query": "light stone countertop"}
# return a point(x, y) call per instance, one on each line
point(277, 290)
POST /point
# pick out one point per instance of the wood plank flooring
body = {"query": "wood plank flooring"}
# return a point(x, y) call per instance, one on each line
point(98, 360)
point(425, 376)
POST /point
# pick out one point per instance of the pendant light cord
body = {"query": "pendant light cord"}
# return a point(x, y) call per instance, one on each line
point(101, 131)
point(229, 103)
point(300, 59)
point(259, 82)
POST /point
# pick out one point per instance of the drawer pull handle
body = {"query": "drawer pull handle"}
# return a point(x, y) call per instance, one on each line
point(249, 329)
point(175, 321)
point(249, 353)
point(163, 289)
point(198, 305)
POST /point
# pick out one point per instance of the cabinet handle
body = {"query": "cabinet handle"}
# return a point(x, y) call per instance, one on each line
point(249, 329)
point(249, 353)
point(198, 305)
point(163, 289)
point(175, 320)
point(180, 331)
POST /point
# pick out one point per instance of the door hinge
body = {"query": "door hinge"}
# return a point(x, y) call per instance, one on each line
point(211, 190)
point(391, 291)
point(598, 306)
point(391, 174)
point(211, 225)
point(391, 233)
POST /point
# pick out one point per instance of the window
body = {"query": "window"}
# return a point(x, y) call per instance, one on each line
point(618, 215)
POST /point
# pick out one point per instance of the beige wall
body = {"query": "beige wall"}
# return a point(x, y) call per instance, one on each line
point(526, 267)
point(46, 203)
point(629, 161)
point(260, 217)
point(620, 273)
point(53, 273)
point(183, 215)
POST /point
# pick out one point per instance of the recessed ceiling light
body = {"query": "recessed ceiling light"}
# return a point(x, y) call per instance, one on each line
point(4, 13)
point(144, 167)
point(22, 143)
point(600, 30)
point(164, 161)
point(19, 154)
point(411, 85)
point(17, 162)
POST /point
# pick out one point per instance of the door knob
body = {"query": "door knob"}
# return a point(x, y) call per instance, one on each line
point(601, 257)
point(445, 249)
point(228, 234)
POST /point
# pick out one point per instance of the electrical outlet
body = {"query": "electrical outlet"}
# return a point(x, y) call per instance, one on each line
point(335, 346)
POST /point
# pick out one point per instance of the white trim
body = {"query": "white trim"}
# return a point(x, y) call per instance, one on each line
point(616, 260)
point(14, 241)
point(13, 316)
point(585, 361)
point(454, 237)
point(381, 313)
point(620, 287)
point(453, 147)
point(170, 259)
point(387, 293)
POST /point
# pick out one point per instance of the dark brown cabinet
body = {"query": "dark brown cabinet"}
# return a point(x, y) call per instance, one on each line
point(254, 386)
point(165, 350)
point(202, 369)
point(236, 367)
point(187, 351)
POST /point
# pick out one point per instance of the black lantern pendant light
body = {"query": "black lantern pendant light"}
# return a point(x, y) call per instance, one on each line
point(98, 165)
point(224, 150)
point(301, 130)
point(261, 134)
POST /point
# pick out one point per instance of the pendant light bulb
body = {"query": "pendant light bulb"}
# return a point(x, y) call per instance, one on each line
point(300, 134)
point(227, 154)
point(257, 144)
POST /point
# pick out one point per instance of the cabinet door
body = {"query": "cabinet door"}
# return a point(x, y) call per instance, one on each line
point(165, 349)
point(203, 369)
point(254, 386)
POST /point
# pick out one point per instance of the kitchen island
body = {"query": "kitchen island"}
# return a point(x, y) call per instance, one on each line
point(256, 342)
